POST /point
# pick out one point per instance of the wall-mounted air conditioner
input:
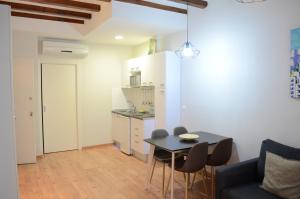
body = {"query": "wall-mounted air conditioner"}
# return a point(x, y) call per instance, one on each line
point(60, 48)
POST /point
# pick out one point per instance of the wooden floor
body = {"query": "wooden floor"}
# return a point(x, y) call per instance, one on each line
point(96, 173)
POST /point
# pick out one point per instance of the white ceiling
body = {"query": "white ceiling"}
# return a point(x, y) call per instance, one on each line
point(136, 23)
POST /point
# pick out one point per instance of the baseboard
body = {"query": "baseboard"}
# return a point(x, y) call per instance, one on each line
point(97, 146)
point(39, 156)
point(140, 156)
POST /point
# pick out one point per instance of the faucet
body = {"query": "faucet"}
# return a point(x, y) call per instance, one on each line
point(132, 108)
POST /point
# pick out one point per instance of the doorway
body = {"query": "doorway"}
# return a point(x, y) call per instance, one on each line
point(59, 107)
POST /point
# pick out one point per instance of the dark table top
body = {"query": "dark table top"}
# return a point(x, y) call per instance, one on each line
point(173, 143)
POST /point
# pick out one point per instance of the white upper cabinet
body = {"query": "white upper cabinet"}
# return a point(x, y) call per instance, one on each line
point(126, 75)
point(159, 65)
point(147, 71)
point(142, 64)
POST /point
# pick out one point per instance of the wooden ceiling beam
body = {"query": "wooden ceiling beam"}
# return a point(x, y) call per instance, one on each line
point(155, 5)
point(105, 0)
point(70, 4)
point(196, 3)
point(46, 17)
point(46, 10)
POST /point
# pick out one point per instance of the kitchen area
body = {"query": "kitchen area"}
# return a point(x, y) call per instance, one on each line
point(148, 99)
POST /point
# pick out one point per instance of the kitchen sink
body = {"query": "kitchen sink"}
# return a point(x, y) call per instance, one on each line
point(130, 113)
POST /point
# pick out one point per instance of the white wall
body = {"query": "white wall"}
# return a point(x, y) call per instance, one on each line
point(24, 62)
point(239, 85)
point(8, 169)
point(97, 74)
point(100, 72)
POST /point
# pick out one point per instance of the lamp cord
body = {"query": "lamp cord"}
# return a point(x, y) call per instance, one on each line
point(187, 21)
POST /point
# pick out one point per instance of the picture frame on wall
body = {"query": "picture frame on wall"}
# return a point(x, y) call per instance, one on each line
point(295, 64)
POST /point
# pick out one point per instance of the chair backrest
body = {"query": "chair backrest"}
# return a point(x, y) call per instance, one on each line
point(180, 130)
point(222, 153)
point(159, 133)
point(196, 158)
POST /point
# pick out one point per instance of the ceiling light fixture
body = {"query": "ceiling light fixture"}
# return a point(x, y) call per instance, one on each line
point(119, 37)
point(187, 50)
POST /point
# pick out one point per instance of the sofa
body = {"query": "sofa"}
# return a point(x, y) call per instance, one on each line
point(243, 180)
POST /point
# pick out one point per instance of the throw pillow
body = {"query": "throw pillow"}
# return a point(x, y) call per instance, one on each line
point(282, 176)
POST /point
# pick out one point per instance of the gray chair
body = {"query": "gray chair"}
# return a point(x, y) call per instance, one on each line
point(194, 163)
point(160, 155)
point(180, 130)
point(220, 156)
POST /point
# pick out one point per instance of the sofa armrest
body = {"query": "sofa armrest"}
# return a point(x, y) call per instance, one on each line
point(236, 174)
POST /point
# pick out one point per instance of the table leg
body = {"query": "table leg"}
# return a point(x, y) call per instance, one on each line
point(172, 175)
point(149, 165)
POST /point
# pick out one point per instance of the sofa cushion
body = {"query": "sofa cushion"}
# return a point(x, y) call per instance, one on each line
point(247, 191)
point(278, 149)
point(282, 176)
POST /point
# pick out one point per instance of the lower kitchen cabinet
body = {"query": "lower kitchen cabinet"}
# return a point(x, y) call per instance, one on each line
point(140, 130)
point(121, 132)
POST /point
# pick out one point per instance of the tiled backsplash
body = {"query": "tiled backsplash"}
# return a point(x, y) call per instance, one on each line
point(142, 98)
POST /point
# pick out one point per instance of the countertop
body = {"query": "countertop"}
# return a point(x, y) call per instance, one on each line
point(137, 115)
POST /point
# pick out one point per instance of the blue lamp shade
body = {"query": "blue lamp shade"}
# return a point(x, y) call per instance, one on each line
point(187, 50)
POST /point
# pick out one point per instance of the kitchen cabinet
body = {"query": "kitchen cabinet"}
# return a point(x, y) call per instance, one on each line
point(147, 71)
point(121, 132)
point(140, 130)
point(125, 76)
point(115, 128)
point(142, 64)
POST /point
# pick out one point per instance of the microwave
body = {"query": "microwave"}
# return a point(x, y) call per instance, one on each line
point(135, 79)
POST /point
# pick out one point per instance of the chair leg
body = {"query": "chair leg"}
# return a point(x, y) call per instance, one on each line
point(212, 183)
point(168, 184)
point(163, 180)
point(191, 187)
point(186, 186)
point(205, 173)
point(152, 171)
point(204, 179)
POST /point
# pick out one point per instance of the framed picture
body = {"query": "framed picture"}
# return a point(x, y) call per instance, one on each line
point(295, 64)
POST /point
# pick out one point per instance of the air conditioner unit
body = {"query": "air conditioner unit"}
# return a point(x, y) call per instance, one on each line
point(64, 49)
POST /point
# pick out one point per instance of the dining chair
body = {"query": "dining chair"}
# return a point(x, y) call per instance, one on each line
point(220, 156)
point(160, 155)
point(179, 130)
point(194, 163)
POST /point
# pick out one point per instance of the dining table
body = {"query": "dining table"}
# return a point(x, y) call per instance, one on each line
point(175, 144)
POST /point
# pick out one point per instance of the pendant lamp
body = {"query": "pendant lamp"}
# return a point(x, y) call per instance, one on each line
point(187, 50)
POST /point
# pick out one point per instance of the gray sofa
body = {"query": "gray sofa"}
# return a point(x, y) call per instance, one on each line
point(243, 180)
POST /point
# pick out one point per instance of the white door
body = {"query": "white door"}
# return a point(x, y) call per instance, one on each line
point(23, 92)
point(59, 107)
